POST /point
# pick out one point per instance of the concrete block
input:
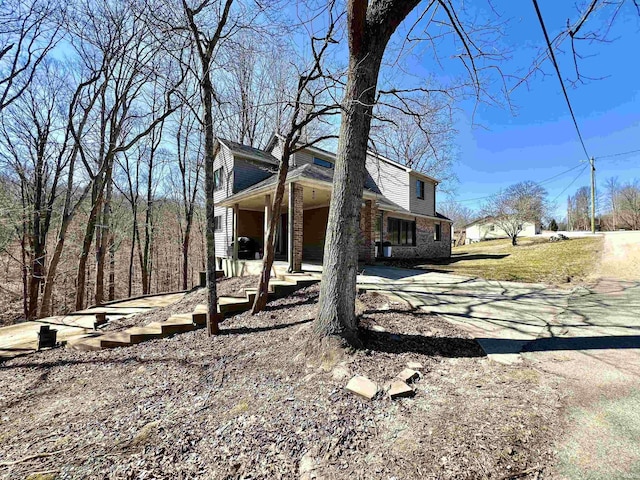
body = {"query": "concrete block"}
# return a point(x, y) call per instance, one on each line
point(399, 389)
point(362, 386)
point(408, 375)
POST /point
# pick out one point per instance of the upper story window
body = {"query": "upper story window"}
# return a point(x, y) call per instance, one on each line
point(420, 189)
point(322, 163)
point(217, 179)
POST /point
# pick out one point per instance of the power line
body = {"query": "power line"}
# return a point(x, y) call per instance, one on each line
point(547, 180)
point(541, 182)
point(571, 183)
point(618, 154)
point(555, 64)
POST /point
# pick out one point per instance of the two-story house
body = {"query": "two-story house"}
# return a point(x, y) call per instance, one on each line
point(398, 205)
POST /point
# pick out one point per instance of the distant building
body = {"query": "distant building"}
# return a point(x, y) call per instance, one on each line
point(486, 229)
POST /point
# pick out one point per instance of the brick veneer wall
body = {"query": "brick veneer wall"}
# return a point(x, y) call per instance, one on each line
point(426, 246)
point(366, 243)
point(298, 226)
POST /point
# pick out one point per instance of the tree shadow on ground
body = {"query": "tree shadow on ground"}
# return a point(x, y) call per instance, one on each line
point(550, 344)
point(423, 263)
point(451, 347)
point(299, 299)
point(266, 328)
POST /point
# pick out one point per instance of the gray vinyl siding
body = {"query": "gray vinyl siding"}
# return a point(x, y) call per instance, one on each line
point(304, 156)
point(237, 175)
point(224, 159)
point(424, 206)
point(392, 181)
point(248, 173)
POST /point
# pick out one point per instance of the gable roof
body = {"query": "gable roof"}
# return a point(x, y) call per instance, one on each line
point(376, 155)
point(316, 173)
point(307, 171)
point(246, 151)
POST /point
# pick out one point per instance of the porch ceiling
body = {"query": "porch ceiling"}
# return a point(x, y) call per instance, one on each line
point(314, 196)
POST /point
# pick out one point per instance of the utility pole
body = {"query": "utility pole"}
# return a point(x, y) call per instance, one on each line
point(593, 195)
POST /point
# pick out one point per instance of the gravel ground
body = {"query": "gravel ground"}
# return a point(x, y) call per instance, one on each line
point(255, 403)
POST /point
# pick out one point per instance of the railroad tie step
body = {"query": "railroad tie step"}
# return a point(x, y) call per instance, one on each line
point(233, 304)
point(86, 344)
point(174, 324)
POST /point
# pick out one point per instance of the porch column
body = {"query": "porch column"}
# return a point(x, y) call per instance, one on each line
point(367, 225)
point(296, 213)
point(267, 219)
point(236, 211)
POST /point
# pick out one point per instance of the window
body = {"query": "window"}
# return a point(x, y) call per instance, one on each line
point(217, 223)
point(401, 232)
point(437, 233)
point(492, 228)
point(217, 179)
point(322, 163)
point(420, 189)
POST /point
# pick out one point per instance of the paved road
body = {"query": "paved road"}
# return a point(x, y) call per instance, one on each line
point(588, 336)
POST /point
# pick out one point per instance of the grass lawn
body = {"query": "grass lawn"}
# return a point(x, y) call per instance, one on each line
point(533, 260)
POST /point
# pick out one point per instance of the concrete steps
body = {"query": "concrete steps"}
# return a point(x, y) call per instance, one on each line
point(281, 286)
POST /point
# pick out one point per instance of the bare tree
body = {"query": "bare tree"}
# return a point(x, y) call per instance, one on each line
point(29, 30)
point(31, 149)
point(417, 131)
point(248, 92)
point(206, 44)
point(460, 215)
point(629, 204)
point(132, 68)
point(517, 204)
point(311, 103)
point(612, 188)
point(370, 26)
point(189, 154)
point(578, 209)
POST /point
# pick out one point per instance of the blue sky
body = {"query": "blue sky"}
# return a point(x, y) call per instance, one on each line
point(540, 141)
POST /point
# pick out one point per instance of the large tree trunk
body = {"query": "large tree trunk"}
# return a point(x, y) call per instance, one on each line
point(209, 157)
point(269, 249)
point(370, 26)
point(336, 313)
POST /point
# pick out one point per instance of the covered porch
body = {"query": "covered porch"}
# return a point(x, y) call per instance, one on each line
point(301, 228)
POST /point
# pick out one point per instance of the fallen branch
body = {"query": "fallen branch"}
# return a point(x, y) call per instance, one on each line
point(33, 457)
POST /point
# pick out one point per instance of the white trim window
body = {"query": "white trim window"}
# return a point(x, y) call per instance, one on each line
point(217, 179)
point(420, 189)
